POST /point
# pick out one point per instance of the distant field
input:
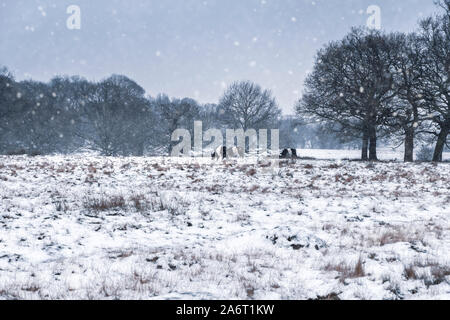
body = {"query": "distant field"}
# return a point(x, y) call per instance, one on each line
point(383, 154)
point(87, 227)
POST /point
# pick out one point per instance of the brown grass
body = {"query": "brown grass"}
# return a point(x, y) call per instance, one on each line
point(347, 271)
point(92, 169)
point(438, 273)
point(158, 168)
point(140, 202)
point(410, 273)
point(31, 288)
point(397, 235)
point(329, 297)
point(390, 237)
point(334, 166)
point(104, 203)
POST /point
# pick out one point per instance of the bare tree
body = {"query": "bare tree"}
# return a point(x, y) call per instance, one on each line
point(12, 105)
point(6, 96)
point(38, 122)
point(71, 94)
point(408, 118)
point(173, 114)
point(246, 106)
point(116, 113)
point(435, 37)
point(351, 85)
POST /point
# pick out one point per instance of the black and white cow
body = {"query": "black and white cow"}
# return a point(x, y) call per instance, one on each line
point(223, 152)
point(289, 154)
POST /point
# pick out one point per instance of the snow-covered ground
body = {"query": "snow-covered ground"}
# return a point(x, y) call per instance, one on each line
point(86, 227)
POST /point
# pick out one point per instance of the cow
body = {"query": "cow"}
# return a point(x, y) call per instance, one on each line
point(223, 152)
point(289, 154)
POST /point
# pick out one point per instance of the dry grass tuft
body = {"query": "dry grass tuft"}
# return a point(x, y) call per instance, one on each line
point(140, 202)
point(410, 273)
point(437, 273)
point(104, 203)
point(440, 274)
point(346, 271)
point(397, 235)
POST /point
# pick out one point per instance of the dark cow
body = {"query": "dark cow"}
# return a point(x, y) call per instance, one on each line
point(289, 154)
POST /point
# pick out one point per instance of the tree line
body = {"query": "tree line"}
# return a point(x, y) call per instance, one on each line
point(373, 84)
point(114, 117)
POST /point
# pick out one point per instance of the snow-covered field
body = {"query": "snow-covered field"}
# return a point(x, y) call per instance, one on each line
point(384, 154)
point(86, 227)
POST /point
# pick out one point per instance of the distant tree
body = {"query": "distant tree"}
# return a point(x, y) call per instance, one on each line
point(10, 106)
point(37, 125)
point(116, 114)
point(173, 114)
point(245, 105)
point(211, 115)
point(288, 130)
point(322, 135)
point(7, 93)
point(71, 95)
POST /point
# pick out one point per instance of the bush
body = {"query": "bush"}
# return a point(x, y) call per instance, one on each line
point(425, 154)
point(23, 152)
point(20, 152)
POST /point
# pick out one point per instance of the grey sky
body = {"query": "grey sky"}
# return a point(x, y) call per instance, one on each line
point(189, 48)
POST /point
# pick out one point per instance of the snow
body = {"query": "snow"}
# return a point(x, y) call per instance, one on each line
point(90, 227)
point(384, 154)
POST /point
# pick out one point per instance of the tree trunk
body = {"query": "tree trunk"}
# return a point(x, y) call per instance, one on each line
point(365, 147)
point(409, 145)
point(373, 145)
point(439, 150)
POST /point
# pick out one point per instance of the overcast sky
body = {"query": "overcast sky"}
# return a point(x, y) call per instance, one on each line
point(187, 48)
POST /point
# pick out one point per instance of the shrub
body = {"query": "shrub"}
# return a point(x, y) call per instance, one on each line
point(20, 152)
